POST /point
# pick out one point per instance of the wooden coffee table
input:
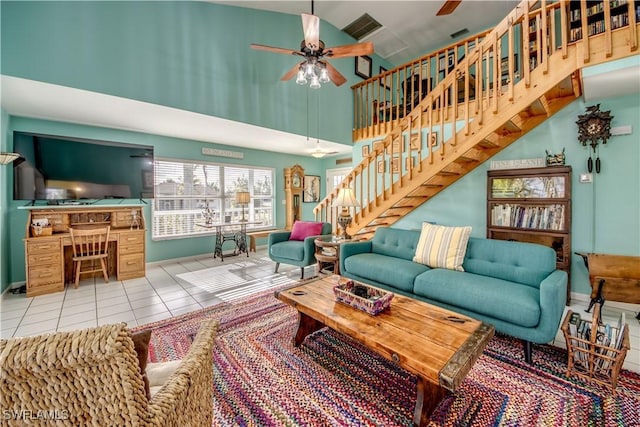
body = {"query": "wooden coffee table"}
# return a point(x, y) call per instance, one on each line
point(437, 345)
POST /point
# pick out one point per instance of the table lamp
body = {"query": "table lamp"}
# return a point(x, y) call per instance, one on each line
point(346, 199)
point(243, 198)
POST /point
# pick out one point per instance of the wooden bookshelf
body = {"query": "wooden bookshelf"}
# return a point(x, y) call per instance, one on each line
point(532, 205)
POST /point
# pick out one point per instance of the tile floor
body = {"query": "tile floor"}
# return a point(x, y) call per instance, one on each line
point(163, 294)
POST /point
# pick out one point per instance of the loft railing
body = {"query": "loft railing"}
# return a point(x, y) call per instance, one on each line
point(380, 102)
point(482, 85)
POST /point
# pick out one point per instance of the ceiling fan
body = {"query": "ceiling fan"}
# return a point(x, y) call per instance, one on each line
point(319, 153)
point(448, 7)
point(315, 69)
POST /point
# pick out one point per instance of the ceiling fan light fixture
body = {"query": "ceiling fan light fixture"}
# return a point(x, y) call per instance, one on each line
point(301, 79)
point(318, 154)
point(315, 82)
point(324, 75)
point(309, 70)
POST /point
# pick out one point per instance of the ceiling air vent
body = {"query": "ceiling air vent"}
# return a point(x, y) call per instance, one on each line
point(362, 27)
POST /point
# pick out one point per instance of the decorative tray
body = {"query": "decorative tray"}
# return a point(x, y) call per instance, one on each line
point(363, 297)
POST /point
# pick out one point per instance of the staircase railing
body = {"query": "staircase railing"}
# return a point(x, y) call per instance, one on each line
point(481, 83)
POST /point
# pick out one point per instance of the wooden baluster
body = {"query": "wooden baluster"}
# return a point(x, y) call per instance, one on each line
point(552, 32)
point(510, 68)
point(607, 28)
point(564, 5)
point(441, 134)
point(496, 72)
point(544, 40)
point(479, 88)
point(633, 36)
point(585, 31)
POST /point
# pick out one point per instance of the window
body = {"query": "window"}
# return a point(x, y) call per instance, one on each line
point(183, 189)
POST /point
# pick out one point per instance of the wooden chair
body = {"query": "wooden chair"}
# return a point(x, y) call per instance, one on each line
point(90, 244)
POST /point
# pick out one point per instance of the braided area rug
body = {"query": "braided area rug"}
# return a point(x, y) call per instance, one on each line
point(261, 379)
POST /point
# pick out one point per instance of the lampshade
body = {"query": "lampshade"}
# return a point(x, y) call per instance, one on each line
point(6, 158)
point(346, 198)
point(243, 197)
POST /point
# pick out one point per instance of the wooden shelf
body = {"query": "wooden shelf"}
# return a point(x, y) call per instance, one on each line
point(534, 206)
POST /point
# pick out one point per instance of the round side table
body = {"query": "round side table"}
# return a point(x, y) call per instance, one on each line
point(328, 252)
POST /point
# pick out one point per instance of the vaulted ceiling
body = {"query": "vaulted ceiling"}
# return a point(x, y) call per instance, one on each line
point(409, 28)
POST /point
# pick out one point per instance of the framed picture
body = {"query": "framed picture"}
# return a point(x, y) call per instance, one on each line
point(382, 166)
point(363, 66)
point(378, 146)
point(147, 179)
point(311, 189)
point(394, 148)
point(365, 150)
point(395, 165)
point(387, 80)
point(415, 141)
point(433, 139)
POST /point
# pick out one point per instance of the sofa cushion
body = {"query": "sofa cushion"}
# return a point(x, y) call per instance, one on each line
point(395, 242)
point(395, 272)
point(500, 299)
point(525, 263)
point(159, 373)
point(303, 229)
point(441, 246)
point(290, 249)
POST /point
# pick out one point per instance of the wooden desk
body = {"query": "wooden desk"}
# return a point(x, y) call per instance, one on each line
point(48, 259)
point(613, 277)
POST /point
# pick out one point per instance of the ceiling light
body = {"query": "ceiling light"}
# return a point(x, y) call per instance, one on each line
point(6, 158)
point(300, 79)
point(324, 75)
point(318, 154)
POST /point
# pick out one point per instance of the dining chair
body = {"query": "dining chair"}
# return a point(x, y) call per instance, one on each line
point(90, 245)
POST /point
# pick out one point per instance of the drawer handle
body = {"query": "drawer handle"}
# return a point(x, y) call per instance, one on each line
point(130, 262)
point(45, 258)
point(45, 275)
point(132, 238)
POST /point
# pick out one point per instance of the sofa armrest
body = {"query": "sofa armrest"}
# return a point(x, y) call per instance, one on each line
point(348, 249)
point(187, 397)
point(553, 294)
point(277, 237)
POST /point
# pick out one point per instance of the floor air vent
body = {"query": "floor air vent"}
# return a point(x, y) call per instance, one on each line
point(362, 27)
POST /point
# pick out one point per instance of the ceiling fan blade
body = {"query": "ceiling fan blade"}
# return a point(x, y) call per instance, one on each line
point(289, 74)
point(335, 76)
point(448, 7)
point(356, 49)
point(311, 28)
point(275, 49)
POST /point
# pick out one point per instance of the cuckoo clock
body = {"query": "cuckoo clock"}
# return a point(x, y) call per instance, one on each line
point(594, 127)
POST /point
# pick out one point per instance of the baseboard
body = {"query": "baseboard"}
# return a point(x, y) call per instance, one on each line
point(620, 305)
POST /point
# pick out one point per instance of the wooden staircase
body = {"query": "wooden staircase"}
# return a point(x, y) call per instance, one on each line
point(493, 112)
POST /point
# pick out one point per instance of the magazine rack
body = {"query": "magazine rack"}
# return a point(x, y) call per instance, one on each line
point(592, 352)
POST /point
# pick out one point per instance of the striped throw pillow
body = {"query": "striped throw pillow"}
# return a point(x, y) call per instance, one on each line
point(442, 247)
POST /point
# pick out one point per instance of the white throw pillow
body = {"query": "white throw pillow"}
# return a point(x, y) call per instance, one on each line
point(159, 373)
point(442, 247)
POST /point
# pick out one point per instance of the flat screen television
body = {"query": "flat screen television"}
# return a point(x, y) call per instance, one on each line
point(71, 169)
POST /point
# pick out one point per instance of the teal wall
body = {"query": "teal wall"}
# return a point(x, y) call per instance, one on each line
point(605, 213)
point(15, 219)
point(193, 56)
point(4, 212)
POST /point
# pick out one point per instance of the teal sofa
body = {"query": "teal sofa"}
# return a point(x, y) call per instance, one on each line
point(512, 285)
point(294, 252)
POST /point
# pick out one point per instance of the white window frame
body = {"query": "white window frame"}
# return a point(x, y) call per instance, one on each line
point(188, 218)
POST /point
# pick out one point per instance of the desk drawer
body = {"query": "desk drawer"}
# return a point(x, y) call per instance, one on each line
point(129, 238)
point(131, 249)
point(38, 259)
point(131, 263)
point(43, 246)
point(44, 275)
